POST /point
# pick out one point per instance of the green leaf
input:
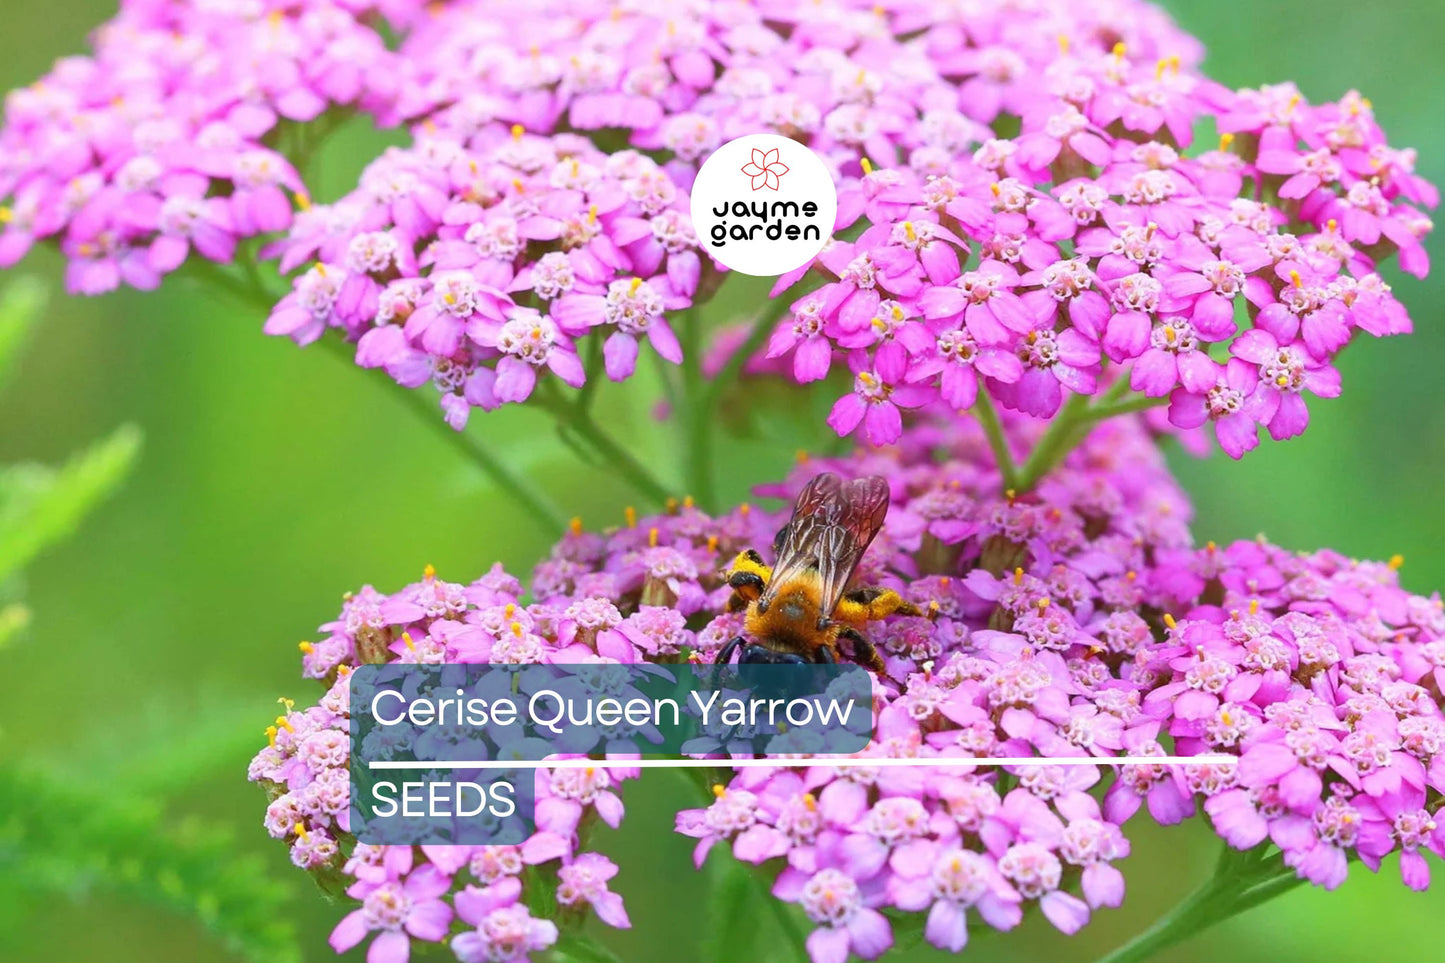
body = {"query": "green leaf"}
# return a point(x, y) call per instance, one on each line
point(151, 756)
point(40, 506)
point(583, 949)
point(20, 306)
point(62, 837)
point(728, 935)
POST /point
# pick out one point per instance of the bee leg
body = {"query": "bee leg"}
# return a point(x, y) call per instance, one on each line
point(863, 651)
point(746, 588)
point(747, 577)
point(871, 604)
point(725, 654)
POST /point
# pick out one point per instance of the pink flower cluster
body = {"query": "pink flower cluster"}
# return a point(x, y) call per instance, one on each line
point(526, 245)
point(1221, 282)
point(1028, 206)
point(471, 895)
point(165, 141)
point(848, 77)
point(1076, 621)
point(167, 138)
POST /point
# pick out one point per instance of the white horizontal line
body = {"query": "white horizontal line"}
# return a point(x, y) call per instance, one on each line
point(782, 762)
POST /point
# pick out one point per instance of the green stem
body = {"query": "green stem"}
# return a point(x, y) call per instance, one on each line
point(1240, 882)
point(697, 415)
point(581, 422)
point(593, 364)
point(251, 291)
point(1141, 403)
point(997, 440)
point(1073, 424)
point(522, 490)
point(1057, 442)
point(1264, 892)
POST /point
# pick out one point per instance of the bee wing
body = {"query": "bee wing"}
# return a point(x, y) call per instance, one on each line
point(833, 524)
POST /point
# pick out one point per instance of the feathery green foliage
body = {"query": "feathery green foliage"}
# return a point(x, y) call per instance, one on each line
point(148, 754)
point(68, 838)
point(41, 505)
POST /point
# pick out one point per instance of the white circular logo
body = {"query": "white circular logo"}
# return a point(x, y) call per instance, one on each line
point(764, 205)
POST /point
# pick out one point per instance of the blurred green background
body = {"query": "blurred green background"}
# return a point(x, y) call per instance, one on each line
point(273, 480)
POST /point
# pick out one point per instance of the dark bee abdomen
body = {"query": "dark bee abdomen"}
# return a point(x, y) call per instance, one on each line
point(762, 655)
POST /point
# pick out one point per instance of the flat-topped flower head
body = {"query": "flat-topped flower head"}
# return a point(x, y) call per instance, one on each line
point(1066, 622)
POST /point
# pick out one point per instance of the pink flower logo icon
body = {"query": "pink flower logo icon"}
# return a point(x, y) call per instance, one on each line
point(765, 169)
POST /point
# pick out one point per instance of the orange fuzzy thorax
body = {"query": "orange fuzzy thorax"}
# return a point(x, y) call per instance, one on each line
point(791, 620)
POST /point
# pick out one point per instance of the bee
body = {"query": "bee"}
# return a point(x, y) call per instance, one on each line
point(800, 609)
